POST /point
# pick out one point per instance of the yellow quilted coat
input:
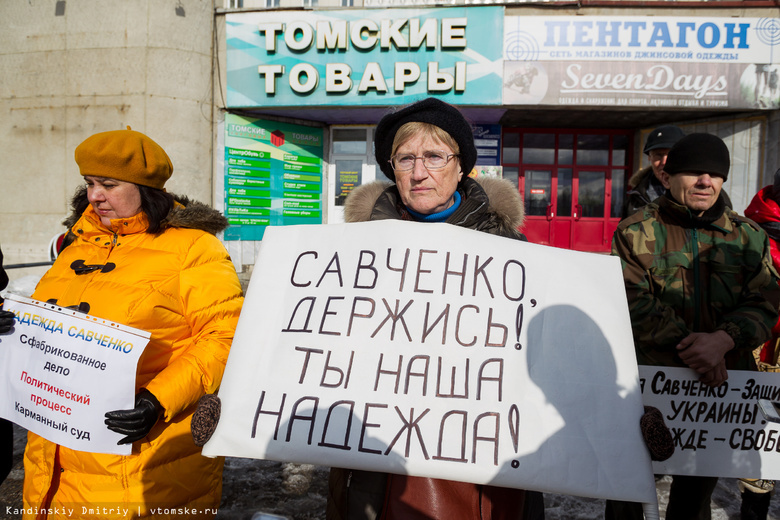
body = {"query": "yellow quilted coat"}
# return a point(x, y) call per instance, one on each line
point(180, 286)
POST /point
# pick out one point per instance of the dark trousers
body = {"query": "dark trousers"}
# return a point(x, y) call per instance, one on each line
point(6, 448)
point(617, 510)
point(689, 499)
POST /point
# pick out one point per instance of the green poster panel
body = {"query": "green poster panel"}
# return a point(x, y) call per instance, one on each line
point(273, 175)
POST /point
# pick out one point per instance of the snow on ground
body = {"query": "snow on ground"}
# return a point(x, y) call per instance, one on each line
point(251, 486)
point(23, 286)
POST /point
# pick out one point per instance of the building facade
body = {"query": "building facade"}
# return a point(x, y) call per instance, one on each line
point(71, 69)
point(268, 107)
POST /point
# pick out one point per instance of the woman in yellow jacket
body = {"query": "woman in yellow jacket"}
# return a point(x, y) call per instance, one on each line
point(143, 258)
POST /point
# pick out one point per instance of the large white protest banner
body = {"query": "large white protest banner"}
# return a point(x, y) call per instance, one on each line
point(437, 351)
point(62, 370)
point(717, 432)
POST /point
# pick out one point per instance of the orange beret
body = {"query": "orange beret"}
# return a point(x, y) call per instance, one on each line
point(125, 155)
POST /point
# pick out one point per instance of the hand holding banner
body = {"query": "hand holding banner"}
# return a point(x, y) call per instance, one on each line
point(717, 432)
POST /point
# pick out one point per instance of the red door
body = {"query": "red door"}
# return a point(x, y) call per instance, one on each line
point(572, 183)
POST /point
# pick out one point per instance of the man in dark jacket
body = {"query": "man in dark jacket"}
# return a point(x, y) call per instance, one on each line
point(701, 288)
point(645, 185)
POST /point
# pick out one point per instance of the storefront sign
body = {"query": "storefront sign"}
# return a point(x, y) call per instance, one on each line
point(643, 85)
point(433, 350)
point(364, 57)
point(62, 370)
point(717, 432)
point(487, 139)
point(673, 62)
point(348, 177)
point(273, 176)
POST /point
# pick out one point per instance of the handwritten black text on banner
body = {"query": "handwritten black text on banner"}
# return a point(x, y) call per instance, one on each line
point(439, 351)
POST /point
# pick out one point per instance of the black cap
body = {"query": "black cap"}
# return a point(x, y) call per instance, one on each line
point(432, 111)
point(663, 137)
point(699, 153)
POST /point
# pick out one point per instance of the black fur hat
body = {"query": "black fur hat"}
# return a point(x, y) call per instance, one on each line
point(435, 112)
point(699, 153)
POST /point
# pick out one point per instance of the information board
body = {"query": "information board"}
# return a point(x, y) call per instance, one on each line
point(273, 176)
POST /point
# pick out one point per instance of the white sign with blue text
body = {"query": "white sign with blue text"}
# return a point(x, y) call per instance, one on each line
point(664, 39)
point(62, 370)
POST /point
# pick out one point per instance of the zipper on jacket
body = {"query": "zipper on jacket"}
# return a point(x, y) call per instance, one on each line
point(467, 215)
point(696, 284)
point(347, 497)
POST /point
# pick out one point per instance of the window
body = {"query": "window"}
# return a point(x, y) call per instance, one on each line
point(593, 149)
point(539, 149)
point(352, 164)
point(350, 141)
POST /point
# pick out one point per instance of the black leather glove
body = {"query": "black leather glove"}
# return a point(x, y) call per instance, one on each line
point(135, 423)
point(6, 321)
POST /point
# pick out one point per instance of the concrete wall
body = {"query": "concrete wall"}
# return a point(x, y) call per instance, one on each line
point(73, 68)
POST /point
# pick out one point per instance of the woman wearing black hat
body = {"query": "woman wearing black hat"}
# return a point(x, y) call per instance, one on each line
point(427, 149)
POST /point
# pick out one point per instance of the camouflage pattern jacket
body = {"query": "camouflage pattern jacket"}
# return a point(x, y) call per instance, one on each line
point(683, 275)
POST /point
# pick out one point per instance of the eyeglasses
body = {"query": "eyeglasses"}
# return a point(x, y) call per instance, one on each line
point(434, 160)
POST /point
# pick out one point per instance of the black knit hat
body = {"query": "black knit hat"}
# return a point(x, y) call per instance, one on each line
point(699, 153)
point(435, 112)
point(663, 137)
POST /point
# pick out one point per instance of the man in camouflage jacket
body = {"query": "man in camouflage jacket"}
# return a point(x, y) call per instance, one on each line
point(701, 288)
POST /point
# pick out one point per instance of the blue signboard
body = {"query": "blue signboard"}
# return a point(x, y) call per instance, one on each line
point(487, 139)
point(365, 57)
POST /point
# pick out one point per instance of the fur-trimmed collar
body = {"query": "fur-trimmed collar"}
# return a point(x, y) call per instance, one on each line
point(186, 213)
point(504, 200)
point(192, 214)
point(640, 175)
point(360, 202)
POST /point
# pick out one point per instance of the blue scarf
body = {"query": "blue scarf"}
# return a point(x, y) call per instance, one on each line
point(441, 216)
